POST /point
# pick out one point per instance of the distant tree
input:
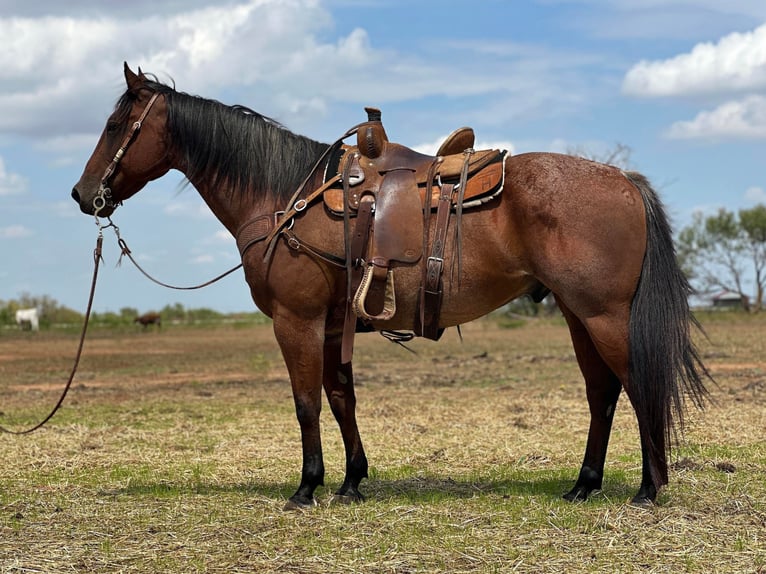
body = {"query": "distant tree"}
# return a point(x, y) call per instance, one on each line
point(618, 155)
point(129, 313)
point(203, 314)
point(5, 313)
point(50, 310)
point(727, 251)
point(174, 312)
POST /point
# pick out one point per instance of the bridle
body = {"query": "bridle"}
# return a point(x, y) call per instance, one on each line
point(103, 196)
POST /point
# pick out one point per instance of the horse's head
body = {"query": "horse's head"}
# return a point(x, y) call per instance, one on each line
point(131, 151)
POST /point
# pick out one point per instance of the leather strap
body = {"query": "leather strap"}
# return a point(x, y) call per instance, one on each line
point(255, 230)
point(459, 218)
point(431, 291)
point(134, 129)
point(357, 250)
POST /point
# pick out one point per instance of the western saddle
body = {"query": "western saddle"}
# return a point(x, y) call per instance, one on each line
point(390, 191)
point(386, 193)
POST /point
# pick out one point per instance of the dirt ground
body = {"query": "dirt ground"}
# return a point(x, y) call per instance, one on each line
point(735, 352)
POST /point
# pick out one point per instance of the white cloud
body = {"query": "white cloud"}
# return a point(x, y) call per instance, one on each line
point(220, 237)
point(65, 208)
point(68, 149)
point(195, 209)
point(273, 55)
point(736, 63)
point(203, 259)
point(755, 195)
point(742, 119)
point(221, 46)
point(11, 183)
point(15, 232)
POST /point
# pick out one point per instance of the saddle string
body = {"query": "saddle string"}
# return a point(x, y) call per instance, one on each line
point(96, 259)
point(400, 338)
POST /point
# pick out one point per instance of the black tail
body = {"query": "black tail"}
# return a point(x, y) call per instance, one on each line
point(665, 366)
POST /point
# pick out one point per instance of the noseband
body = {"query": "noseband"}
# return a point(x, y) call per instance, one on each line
point(103, 196)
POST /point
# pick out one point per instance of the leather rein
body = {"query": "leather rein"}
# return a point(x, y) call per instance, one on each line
point(96, 259)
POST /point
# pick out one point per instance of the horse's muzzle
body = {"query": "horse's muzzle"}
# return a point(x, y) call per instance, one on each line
point(84, 207)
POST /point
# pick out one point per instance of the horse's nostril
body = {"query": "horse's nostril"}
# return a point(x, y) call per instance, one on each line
point(75, 195)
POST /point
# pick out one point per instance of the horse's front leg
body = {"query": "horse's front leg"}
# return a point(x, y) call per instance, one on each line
point(338, 381)
point(301, 342)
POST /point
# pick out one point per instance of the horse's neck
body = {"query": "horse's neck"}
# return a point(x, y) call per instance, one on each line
point(234, 207)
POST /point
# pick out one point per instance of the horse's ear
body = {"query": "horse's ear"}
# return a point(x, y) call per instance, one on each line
point(134, 81)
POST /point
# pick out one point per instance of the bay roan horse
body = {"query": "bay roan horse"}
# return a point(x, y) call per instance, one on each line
point(598, 238)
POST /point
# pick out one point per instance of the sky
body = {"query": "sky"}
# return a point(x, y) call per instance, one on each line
point(682, 83)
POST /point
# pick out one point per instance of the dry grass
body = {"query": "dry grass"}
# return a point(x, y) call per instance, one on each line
point(176, 451)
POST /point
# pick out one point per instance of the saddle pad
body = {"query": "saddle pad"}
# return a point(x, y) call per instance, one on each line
point(483, 184)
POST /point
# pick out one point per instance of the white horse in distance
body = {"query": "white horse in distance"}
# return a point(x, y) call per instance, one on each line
point(28, 319)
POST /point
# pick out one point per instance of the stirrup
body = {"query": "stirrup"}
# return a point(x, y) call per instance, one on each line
point(389, 304)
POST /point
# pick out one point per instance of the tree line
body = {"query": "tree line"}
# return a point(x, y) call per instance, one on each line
point(53, 313)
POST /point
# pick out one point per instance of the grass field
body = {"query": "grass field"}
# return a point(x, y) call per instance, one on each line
point(177, 449)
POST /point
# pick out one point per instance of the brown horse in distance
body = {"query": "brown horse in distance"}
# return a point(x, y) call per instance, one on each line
point(149, 319)
point(596, 237)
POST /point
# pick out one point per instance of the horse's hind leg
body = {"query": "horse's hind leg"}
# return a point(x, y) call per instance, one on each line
point(338, 381)
point(601, 345)
point(602, 388)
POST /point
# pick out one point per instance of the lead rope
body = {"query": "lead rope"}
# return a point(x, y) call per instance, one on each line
point(96, 259)
point(125, 251)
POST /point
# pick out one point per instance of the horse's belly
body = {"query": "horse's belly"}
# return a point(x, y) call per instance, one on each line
point(477, 293)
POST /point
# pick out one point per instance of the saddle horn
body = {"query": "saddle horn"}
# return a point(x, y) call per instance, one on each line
point(371, 137)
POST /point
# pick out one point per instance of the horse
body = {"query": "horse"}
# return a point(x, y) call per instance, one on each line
point(28, 319)
point(149, 319)
point(598, 238)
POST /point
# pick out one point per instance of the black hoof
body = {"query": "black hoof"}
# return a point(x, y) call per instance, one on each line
point(348, 498)
point(641, 502)
point(301, 503)
point(577, 494)
point(645, 497)
point(588, 481)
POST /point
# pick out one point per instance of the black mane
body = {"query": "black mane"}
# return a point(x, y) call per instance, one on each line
point(237, 147)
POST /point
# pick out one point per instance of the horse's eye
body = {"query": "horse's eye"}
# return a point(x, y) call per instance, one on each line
point(112, 127)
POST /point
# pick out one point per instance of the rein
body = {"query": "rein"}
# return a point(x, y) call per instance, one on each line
point(125, 251)
point(96, 259)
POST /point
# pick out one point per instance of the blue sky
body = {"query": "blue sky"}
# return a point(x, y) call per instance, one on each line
point(681, 82)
